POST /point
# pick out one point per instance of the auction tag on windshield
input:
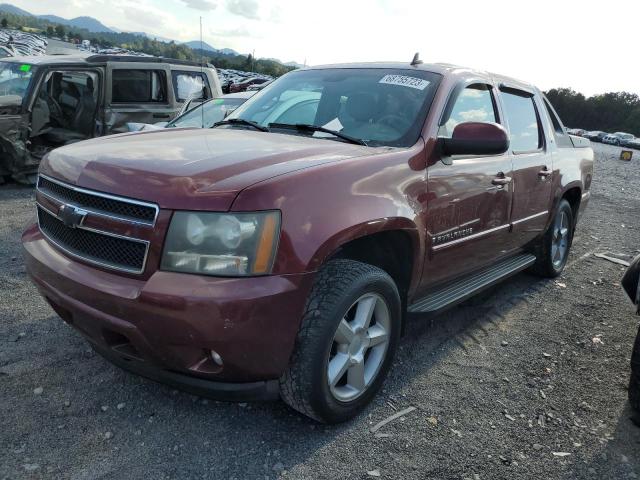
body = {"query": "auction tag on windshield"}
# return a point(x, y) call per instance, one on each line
point(404, 81)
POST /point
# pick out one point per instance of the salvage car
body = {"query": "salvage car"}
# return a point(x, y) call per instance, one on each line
point(49, 101)
point(595, 135)
point(631, 284)
point(618, 138)
point(203, 115)
point(261, 259)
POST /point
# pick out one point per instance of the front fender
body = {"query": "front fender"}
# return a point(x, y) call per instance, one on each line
point(372, 227)
point(326, 206)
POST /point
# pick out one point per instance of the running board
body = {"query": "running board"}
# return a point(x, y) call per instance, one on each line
point(453, 293)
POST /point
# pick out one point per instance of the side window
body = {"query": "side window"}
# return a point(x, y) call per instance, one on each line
point(474, 104)
point(557, 127)
point(138, 86)
point(189, 85)
point(522, 119)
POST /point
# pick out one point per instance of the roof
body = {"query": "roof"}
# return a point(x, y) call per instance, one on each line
point(47, 59)
point(84, 59)
point(441, 68)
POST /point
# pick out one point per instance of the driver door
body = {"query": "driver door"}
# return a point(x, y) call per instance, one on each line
point(470, 196)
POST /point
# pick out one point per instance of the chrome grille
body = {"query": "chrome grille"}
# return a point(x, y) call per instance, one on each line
point(97, 202)
point(101, 248)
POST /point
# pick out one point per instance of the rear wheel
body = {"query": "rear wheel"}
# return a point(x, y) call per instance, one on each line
point(347, 340)
point(552, 250)
point(634, 383)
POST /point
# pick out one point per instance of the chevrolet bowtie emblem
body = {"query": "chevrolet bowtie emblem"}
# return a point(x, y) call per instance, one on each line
point(71, 216)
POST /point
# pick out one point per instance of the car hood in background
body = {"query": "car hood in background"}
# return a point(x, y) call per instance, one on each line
point(198, 169)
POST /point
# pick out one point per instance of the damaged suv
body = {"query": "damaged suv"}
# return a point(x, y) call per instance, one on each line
point(279, 252)
point(50, 101)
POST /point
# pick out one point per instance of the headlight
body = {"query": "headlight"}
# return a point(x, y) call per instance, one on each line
point(224, 244)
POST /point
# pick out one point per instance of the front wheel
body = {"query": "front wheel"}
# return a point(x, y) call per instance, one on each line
point(346, 343)
point(634, 382)
point(552, 250)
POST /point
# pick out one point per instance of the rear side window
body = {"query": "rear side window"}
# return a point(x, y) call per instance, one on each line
point(557, 127)
point(474, 104)
point(189, 85)
point(522, 119)
point(138, 86)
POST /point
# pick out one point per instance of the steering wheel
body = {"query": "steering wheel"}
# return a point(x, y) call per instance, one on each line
point(55, 112)
point(394, 121)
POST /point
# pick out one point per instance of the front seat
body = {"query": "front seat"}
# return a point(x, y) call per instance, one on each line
point(82, 124)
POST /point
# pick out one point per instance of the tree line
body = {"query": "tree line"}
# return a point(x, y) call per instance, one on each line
point(141, 43)
point(609, 112)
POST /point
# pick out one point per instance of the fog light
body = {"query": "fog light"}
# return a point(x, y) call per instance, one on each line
point(217, 359)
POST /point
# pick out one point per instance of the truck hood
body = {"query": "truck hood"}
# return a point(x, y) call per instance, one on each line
point(195, 169)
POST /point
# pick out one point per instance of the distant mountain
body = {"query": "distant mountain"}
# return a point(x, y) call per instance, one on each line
point(293, 64)
point(229, 51)
point(152, 37)
point(195, 45)
point(6, 7)
point(88, 23)
point(53, 19)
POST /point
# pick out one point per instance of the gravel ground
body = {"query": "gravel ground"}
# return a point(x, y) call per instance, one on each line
point(526, 381)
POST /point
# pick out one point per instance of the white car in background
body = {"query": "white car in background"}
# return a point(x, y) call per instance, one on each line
point(618, 138)
point(635, 144)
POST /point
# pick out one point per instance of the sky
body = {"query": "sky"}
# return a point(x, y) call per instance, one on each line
point(561, 43)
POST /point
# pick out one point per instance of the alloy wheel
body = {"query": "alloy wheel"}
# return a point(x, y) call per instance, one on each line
point(560, 239)
point(359, 347)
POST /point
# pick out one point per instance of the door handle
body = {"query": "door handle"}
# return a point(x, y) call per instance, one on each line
point(501, 180)
point(545, 172)
point(161, 115)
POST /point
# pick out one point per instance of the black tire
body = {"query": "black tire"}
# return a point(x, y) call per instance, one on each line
point(339, 284)
point(542, 249)
point(634, 382)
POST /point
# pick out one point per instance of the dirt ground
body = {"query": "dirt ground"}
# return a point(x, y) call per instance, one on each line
point(527, 381)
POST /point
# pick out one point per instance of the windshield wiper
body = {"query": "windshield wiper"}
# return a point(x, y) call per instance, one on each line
point(301, 127)
point(240, 121)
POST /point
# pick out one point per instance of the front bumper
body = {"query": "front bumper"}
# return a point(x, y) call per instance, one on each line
point(166, 327)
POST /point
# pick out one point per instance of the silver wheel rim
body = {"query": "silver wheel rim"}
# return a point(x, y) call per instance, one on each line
point(359, 347)
point(560, 240)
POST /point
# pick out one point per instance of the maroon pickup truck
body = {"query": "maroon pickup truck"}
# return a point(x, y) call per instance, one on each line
point(280, 252)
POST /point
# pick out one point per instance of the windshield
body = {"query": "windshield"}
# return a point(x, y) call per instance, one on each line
point(378, 106)
point(211, 112)
point(14, 79)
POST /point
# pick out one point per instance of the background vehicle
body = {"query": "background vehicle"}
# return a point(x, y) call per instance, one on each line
point(15, 43)
point(203, 115)
point(635, 143)
point(243, 85)
point(229, 76)
point(278, 253)
point(576, 131)
point(631, 284)
point(258, 86)
point(52, 100)
point(595, 136)
point(617, 138)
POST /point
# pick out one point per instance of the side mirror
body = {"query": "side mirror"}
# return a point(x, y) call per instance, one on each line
point(631, 282)
point(475, 138)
